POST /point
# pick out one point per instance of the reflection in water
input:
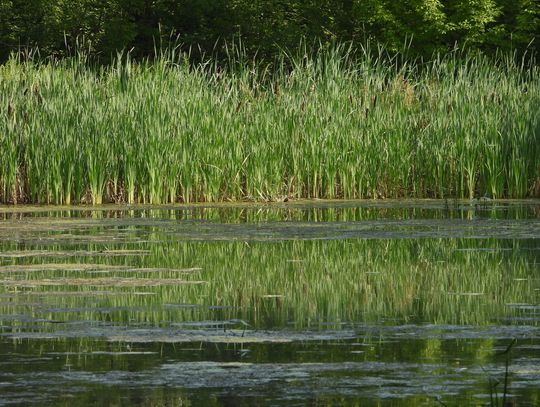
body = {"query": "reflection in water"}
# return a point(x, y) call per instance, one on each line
point(339, 302)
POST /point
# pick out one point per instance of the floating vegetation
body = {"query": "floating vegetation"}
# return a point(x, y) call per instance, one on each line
point(89, 268)
point(76, 253)
point(98, 281)
point(214, 332)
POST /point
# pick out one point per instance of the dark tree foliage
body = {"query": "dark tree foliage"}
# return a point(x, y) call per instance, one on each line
point(56, 27)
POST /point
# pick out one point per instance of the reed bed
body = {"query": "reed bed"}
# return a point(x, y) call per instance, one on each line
point(325, 126)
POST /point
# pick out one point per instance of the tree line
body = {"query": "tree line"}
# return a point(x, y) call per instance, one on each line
point(265, 27)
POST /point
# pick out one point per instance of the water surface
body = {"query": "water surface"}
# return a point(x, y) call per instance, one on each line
point(328, 303)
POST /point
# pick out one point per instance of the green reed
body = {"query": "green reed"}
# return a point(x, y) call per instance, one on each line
point(321, 126)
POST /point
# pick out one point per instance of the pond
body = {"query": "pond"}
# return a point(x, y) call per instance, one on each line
point(396, 303)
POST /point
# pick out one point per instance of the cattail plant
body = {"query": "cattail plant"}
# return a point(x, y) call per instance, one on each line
point(328, 124)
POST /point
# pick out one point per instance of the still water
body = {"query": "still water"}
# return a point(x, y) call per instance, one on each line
point(412, 303)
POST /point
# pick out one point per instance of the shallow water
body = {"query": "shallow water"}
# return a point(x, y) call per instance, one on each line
point(327, 303)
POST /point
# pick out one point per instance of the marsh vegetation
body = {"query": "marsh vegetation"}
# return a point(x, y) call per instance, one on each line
point(328, 124)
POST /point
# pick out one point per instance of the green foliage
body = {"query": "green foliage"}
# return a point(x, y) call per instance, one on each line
point(106, 26)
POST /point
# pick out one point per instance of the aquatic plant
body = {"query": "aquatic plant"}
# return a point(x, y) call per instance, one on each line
point(321, 126)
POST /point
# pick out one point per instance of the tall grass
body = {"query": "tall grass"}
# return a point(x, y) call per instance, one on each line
point(321, 126)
